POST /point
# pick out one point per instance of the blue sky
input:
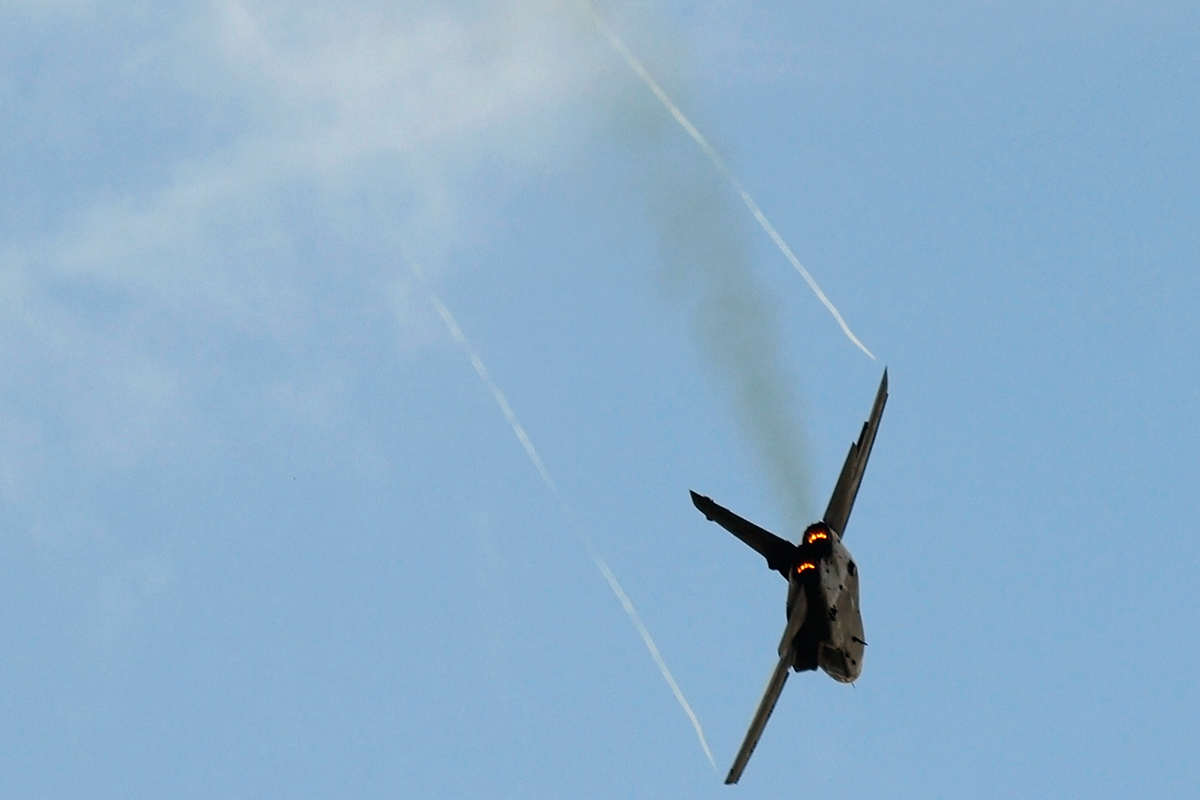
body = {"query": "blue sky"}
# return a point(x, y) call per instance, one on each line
point(266, 533)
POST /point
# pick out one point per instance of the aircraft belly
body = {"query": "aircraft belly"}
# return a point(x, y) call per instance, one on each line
point(841, 653)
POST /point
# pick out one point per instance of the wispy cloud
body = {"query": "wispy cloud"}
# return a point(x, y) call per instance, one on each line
point(322, 106)
point(223, 258)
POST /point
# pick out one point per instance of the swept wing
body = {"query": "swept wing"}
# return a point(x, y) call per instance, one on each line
point(765, 707)
point(774, 687)
point(838, 512)
point(779, 553)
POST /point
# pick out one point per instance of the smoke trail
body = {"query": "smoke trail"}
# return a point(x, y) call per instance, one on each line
point(600, 563)
point(719, 163)
point(706, 262)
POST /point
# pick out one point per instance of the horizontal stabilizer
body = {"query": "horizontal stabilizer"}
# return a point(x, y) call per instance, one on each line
point(779, 553)
point(842, 501)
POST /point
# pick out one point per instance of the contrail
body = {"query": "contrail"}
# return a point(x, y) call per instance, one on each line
point(601, 565)
point(724, 169)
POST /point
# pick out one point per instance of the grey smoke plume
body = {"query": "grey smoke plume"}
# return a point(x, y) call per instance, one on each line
point(706, 263)
point(639, 69)
point(706, 258)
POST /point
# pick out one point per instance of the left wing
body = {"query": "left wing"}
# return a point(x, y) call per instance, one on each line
point(779, 553)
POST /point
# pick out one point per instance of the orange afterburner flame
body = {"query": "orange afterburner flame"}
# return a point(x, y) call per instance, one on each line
point(815, 535)
point(807, 565)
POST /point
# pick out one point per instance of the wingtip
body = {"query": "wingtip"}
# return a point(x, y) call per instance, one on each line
point(702, 504)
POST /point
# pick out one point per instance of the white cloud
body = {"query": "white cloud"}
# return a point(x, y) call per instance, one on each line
point(321, 103)
point(334, 87)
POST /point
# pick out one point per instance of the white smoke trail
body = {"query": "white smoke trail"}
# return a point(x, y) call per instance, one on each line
point(600, 563)
point(719, 163)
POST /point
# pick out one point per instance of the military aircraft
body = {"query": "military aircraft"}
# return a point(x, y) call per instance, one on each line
point(824, 628)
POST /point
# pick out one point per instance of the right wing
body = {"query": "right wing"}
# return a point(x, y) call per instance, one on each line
point(765, 707)
point(838, 512)
point(779, 553)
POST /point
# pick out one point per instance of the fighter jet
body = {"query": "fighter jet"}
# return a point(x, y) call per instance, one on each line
point(824, 628)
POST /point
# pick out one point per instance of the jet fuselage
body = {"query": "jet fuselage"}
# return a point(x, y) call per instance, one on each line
point(825, 579)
